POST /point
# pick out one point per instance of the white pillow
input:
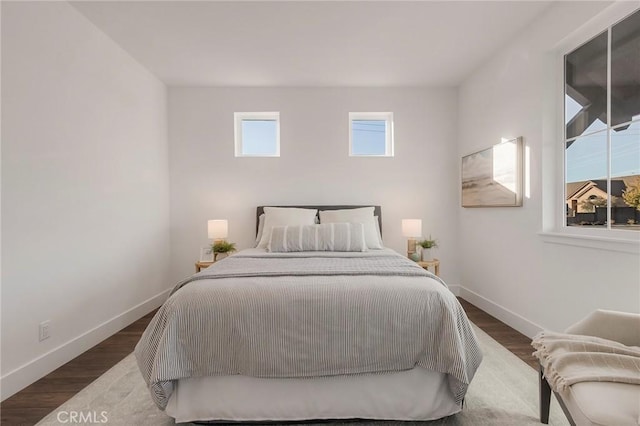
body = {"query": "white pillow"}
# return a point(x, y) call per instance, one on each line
point(260, 228)
point(362, 215)
point(323, 237)
point(282, 216)
point(377, 221)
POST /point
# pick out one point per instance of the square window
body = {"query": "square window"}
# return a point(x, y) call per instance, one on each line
point(257, 134)
point(371, 134)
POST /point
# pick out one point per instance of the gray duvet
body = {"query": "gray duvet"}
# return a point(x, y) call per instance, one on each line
point(306, 315)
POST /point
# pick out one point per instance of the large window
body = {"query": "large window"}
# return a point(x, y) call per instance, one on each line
point(602, 129)
point(257, 134)
point(371, 134)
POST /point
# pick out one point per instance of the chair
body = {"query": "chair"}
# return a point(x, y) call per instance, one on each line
point(599, 403)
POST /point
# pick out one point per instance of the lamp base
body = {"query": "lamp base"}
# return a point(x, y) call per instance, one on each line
point(411, 246)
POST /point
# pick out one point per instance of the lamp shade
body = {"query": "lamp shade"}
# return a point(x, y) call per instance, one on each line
point(411, 227)
point(218, 229)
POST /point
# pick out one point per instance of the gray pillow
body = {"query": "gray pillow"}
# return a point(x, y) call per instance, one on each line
point(323, 237)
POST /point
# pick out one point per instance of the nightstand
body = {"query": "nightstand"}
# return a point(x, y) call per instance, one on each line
point(202, 265)
point(435, 263)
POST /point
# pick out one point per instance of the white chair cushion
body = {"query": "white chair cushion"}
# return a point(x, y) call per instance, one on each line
point(603, 403)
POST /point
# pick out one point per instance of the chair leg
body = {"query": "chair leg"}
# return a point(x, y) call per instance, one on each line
point(545, 398)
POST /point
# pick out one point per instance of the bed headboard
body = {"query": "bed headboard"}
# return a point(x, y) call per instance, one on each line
point(377, 211)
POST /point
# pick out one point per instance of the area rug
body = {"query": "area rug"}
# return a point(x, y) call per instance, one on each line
point(504, 392)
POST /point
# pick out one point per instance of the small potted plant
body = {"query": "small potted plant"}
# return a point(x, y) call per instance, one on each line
point(427, 245)
point(222, 247)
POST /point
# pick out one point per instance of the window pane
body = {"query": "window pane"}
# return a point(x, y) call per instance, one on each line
point(625, 70)
point(625, 177)
point(586, 85)
point(368, 137)
point(259, 137)
point(586, 180)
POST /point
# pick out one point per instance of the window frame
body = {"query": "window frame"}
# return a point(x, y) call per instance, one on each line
point(387, 117)
point(554, 226)
point(239, 117)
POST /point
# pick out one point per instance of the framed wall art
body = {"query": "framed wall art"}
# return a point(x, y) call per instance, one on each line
point(493, 177)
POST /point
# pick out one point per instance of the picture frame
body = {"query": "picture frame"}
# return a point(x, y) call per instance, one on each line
point(493, 177)
point(206, 254)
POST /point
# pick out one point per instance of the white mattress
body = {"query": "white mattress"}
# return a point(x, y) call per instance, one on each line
point(416, 394)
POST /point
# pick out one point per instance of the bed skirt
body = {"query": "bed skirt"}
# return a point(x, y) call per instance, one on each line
point(416, 394)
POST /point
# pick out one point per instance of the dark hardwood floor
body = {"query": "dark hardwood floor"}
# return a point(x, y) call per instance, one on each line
point(34, 402)
point(31, 404)
point(517, 343)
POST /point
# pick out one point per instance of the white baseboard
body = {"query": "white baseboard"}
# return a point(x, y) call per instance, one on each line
point(23, 376)
point(513, 320)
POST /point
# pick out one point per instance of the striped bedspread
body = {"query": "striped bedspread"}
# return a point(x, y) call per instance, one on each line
point(307, 315)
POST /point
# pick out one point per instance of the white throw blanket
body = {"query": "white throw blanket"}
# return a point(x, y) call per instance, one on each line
point(568, 359)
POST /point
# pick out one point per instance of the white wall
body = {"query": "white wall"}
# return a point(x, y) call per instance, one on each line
point(507, 268)
point(208, 182)
point(85, 191)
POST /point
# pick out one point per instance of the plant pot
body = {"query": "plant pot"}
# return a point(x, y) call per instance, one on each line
point(219, 256)
point(427, 255)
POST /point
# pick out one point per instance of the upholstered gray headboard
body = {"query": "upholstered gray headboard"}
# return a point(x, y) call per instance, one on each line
point(377, 211)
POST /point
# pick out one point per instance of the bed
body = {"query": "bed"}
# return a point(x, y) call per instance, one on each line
point(284, 333)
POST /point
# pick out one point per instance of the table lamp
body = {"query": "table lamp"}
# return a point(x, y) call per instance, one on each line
point(412, 229)
point(218, 230)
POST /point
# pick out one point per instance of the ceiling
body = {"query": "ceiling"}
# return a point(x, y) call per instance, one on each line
point(311, 43)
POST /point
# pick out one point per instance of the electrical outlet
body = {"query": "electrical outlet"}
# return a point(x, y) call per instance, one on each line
point(45, 331)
